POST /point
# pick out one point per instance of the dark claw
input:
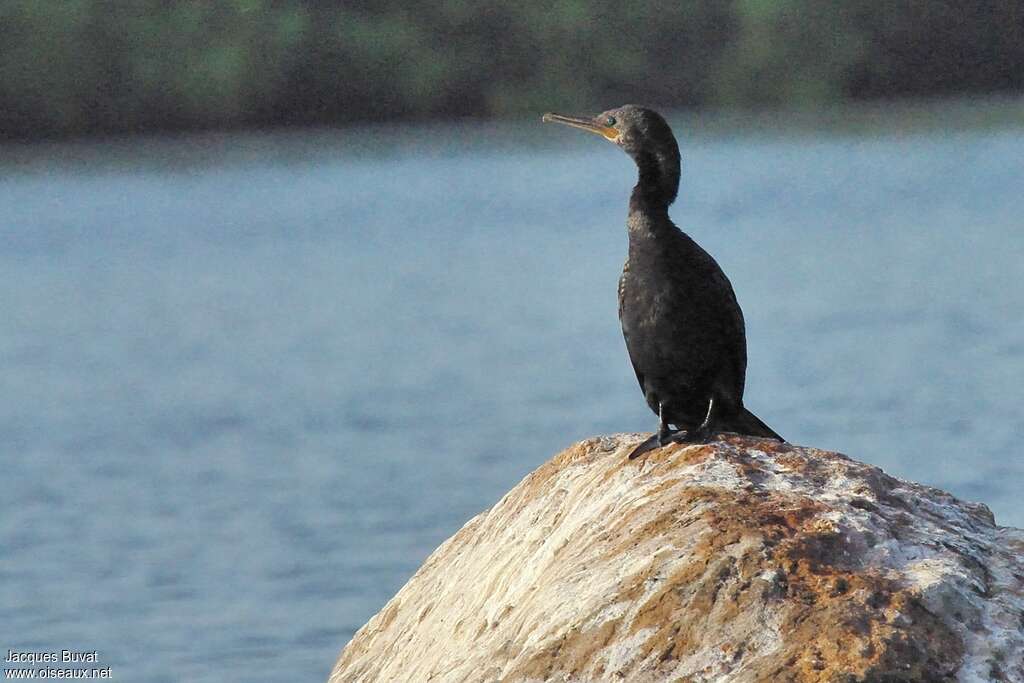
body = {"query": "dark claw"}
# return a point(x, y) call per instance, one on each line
point(698, 435)
point(659, 441)
point(646, 445)
point(682, 436)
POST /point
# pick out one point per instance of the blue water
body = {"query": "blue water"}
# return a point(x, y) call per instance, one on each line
point(251, 381)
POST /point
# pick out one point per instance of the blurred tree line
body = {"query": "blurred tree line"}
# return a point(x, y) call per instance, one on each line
point(87, 66)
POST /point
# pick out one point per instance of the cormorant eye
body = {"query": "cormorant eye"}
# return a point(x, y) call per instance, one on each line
point(610, 121)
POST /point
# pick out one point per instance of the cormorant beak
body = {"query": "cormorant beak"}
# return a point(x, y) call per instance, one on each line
point(583, 123)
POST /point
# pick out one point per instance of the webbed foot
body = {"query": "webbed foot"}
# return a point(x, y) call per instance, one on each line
point(646, 445)
point(689, 436)
point(659, 440)
point(701, 433)
point(666, 435)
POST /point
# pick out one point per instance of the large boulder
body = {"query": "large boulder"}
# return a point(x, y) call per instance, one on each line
point(738, 560)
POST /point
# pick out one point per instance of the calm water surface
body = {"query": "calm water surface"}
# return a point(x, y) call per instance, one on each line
point(251, 381)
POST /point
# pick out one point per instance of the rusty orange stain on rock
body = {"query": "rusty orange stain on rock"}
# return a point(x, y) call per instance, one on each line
point(738, 560)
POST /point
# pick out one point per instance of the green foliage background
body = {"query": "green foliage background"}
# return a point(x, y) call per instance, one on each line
point(86, 66)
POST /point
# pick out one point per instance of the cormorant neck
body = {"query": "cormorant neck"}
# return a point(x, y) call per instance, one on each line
point(658, 182)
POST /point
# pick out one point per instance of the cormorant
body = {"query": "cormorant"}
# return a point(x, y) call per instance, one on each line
point(684, 329)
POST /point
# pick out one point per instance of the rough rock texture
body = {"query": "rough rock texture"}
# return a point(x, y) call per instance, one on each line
point(739, 560)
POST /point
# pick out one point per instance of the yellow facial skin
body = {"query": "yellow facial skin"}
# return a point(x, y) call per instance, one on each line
point(583, 123)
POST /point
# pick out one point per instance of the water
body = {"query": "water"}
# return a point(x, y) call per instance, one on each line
point(251, 381)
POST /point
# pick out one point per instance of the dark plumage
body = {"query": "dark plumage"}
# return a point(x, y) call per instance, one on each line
point(683, 327)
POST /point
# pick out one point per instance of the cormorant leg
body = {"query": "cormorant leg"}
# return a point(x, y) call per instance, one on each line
point(700, 432)
point(662, 437)
point(664, 431)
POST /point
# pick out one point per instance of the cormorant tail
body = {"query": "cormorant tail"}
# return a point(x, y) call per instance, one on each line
point(745, 422)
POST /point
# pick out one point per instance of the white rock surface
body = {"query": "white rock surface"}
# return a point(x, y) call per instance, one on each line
point(739, 560)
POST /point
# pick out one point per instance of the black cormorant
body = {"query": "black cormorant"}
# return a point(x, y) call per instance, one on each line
point(683, 327)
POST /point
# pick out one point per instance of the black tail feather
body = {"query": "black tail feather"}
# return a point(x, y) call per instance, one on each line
point(745, 422)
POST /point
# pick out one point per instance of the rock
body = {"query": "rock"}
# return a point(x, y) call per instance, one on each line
point(738, 560)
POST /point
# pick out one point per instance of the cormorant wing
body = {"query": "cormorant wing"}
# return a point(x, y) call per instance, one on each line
point(625, 331)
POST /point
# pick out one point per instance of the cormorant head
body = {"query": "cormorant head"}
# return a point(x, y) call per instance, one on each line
point(644, 135)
